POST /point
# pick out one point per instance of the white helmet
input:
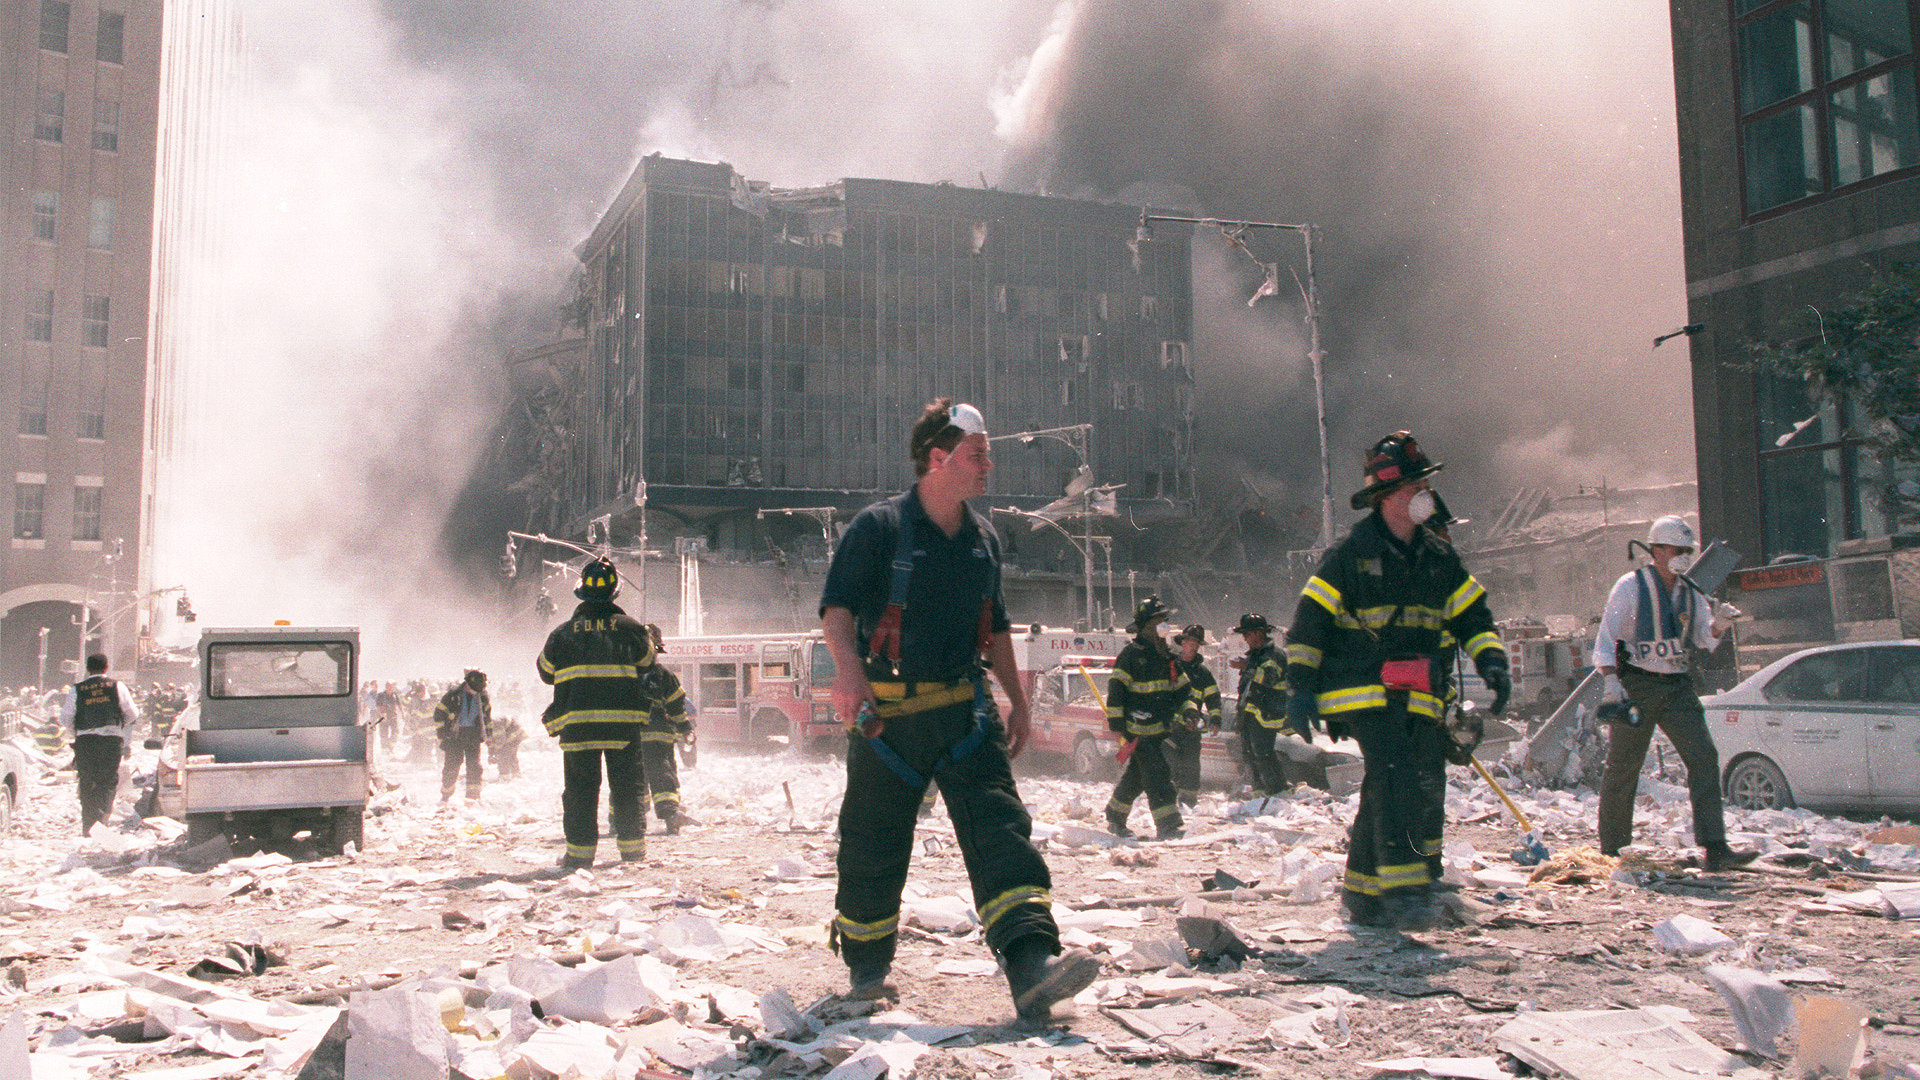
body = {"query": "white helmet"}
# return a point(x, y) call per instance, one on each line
point(1672, 531)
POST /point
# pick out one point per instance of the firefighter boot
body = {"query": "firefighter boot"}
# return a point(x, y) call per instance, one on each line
point(1040, 979)
point(1117, 825)
point(870, 984)
point(1721, 857)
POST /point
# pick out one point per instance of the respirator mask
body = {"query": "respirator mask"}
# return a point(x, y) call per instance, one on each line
point(1681, 563)
point(1420, 507)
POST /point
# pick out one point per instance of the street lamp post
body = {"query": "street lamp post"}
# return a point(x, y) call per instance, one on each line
point(1075, 436)
point(1309, 293)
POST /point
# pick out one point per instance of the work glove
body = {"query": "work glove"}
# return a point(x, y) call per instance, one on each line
point(1494, 674)
point(1302, 715)
point(1614, 706)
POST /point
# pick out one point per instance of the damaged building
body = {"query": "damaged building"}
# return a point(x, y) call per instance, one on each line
point(732, 348)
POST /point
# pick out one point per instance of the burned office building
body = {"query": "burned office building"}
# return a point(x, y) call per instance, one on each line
point(735, 347)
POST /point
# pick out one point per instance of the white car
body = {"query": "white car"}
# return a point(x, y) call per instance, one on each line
point(1830, 728)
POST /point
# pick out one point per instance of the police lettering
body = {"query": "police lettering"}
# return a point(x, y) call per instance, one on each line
point(1663, 649)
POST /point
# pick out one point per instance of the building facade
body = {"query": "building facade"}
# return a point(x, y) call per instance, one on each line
point(1800, 176)
point(79, 90)
point(748, 348)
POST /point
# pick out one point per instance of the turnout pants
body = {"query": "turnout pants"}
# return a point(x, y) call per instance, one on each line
point(1183, 757)
point(580, 800)
point(1398, 826)
point(1263, 762)
point(1147, 771)
point(1667, 702)
point(460, 746)
point(1010, 880)
point(662, 773)
point(96, 762)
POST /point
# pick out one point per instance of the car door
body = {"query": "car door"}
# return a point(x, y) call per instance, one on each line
point(1893, 727)
point(1814, 726)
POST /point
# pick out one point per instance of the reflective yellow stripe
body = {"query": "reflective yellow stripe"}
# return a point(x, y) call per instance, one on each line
point(873, 931)
point(1121, 676)
point(919, 703)
point(596, 671)
point(1155, 686)
point(1413, 616)
point(602, 744)
point(1356, 698)
point(658, 736)
point(630, 847)
point(996, 909)
point(1404, 875)
point(1304, 655)
point(545, 664)
point(1480, 643)
point(599, 716)
point(1162, 813)
point(666, 797)
point(1322, 593)
point(1464, 596)
point(578, 851)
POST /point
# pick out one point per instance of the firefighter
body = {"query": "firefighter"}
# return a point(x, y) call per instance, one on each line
point(600, 663)
point(667, 723)
point(1364, 652)
point(1148, 696)
point(1653, 620)
point(462, 721)
point(503, 747)
point(1262, 709)
point(99, 715)
point(911, 605)
point(1183, 743)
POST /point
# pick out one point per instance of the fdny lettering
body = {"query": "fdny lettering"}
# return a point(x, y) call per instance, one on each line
point(592, 626)
point(1663, 649)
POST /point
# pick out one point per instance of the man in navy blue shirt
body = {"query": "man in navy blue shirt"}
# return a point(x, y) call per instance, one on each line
point(911, 608)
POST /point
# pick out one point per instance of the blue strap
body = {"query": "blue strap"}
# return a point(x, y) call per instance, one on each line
point(1644, 616)
point(982, 705)
point(910, 515)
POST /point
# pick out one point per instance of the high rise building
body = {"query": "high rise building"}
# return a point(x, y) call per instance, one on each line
point(79, 87)
point(746, 347)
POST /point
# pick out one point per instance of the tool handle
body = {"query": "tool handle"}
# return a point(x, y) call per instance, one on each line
point(1525, 825)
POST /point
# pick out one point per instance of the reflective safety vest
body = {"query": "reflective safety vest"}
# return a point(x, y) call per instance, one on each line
point(1659, 628)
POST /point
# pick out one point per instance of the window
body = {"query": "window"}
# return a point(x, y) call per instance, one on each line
point(91, 420)
point(1826, 95)
point(106, 125)
point(1840, 675)
point(93, 321)
point(100, 224)
point(1895, 675)
point(50, 117)
point(1819, 480)
point(46, 210)
point(110, 44)
point(55, 15)
point(29, 509)
point(245, 669)
point(86, 512)
point(40, 316)
point(36, 386)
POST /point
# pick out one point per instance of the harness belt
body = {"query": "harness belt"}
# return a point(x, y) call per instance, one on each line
point(900, 699)
point(947, 695)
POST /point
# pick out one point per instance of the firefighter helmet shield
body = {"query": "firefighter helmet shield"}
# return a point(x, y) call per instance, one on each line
point(598, 581)
point(1672, 531)
point(1393, 461)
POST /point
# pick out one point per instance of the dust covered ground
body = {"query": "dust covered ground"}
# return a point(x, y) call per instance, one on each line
point(733, 910)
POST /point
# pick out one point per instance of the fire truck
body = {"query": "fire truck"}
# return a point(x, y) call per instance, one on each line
point(755, 691)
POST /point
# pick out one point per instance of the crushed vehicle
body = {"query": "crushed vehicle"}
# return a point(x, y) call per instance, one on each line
point(274, 748)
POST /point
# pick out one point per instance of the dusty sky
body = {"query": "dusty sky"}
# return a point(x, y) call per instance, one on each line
point(1495, 179)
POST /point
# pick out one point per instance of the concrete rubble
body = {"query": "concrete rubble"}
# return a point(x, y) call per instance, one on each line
point(448, 947)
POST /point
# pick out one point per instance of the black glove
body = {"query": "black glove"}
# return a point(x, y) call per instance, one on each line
point(1464, 732)
point(1302, 714)
point(1494, 674)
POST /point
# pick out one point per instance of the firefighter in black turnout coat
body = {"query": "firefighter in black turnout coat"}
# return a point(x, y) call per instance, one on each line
point(1364, 651)
point(664, 729)
point(1262, 704)
point(911, 605)
point(1148, 697)
point(1183, 744)
point(600, 663)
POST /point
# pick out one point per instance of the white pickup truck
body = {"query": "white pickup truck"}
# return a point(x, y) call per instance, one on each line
point(274, 747)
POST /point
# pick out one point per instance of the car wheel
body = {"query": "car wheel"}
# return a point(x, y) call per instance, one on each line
point(6, 808)
point(1754, 783)
point(1089, 762)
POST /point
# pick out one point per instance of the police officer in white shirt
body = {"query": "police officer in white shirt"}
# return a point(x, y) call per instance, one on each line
point(1652, 618)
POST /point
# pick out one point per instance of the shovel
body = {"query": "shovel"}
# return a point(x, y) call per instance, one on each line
point(1531, 851)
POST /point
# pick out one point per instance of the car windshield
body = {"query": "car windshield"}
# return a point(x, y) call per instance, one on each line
point(279, 669)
